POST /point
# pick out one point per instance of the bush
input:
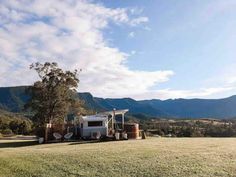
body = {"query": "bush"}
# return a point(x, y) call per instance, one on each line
point(18, 126)
point(7, 131)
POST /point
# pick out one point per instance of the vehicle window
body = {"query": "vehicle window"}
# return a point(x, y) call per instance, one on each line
point(94, 123)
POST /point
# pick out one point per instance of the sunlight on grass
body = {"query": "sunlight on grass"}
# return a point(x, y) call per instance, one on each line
point(151, 157)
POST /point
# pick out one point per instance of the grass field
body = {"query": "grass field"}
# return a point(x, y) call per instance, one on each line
point(151, 157)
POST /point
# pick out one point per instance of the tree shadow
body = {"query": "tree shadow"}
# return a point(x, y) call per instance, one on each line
point(15, 144)
point(94, 141)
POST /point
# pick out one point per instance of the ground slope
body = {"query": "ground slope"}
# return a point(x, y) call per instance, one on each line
point(164, 157)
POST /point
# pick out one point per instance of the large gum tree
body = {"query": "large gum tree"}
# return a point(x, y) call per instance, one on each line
point(53, 96)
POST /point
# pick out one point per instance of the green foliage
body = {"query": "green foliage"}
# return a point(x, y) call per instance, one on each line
point(15, 123)
point(7, 131)
point(190, 128)
point(20, 126)
point(54, 95)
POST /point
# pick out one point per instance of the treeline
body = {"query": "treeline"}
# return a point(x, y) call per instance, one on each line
point(11, 123)
point(190, 128)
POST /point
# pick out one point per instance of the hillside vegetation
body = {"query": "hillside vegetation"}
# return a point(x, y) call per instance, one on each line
point(14, 98)
point(13, 123)
point(150, 114)
point(189, 127)
point(165, 157)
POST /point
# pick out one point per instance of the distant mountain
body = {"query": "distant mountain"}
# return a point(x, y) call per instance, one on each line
point(131, 104)
point(196, 108)
point(13, 99)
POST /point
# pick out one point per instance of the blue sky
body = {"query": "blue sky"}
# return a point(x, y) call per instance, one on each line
point(140, 49)
point(195, 39)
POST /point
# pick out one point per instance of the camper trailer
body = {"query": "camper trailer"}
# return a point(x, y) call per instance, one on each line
point(101, 125)
point(94, 124)
point(109, 125)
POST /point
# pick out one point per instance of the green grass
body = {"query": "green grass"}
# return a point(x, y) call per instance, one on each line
point(151, 157)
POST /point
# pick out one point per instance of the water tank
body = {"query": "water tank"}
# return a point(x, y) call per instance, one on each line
point(132, 130)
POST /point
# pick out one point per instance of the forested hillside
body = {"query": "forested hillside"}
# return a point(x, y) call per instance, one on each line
point(14, 98)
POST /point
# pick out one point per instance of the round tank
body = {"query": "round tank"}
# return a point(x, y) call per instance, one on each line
point(132, 130)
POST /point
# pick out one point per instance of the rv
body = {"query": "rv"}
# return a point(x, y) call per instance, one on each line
point(101, 125)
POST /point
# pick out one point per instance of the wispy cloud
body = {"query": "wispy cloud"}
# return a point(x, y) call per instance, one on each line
point(70, 33)
point(133, 52)
point(170, 93)
point(131, 34)
point(138, 21)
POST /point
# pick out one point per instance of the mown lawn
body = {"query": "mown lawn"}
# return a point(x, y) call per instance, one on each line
point(151, 157)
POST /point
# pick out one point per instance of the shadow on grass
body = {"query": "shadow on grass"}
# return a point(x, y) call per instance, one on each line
point(94, 141)
point(14, 144)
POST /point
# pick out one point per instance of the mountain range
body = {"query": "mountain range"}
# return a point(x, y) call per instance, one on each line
point(13, 99)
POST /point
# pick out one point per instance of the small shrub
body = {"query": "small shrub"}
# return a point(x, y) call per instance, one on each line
point(7, 132)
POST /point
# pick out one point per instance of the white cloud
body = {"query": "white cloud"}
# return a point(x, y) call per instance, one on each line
point(133, 52)
point(138, 21)
point(147, 28)
point(70, 33)
point(131, 34)
point(170, 93)
point(231, 80)
point(136, 10)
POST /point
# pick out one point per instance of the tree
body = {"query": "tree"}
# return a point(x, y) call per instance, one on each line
point(19, 126)
point(53, 95)
point(14, 126)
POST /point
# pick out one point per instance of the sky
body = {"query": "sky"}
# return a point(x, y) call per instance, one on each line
point(162, 49)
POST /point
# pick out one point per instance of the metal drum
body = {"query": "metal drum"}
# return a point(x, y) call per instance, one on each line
point(132, 130)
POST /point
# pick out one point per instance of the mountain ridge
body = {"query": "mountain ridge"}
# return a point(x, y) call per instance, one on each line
point(13, 99)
